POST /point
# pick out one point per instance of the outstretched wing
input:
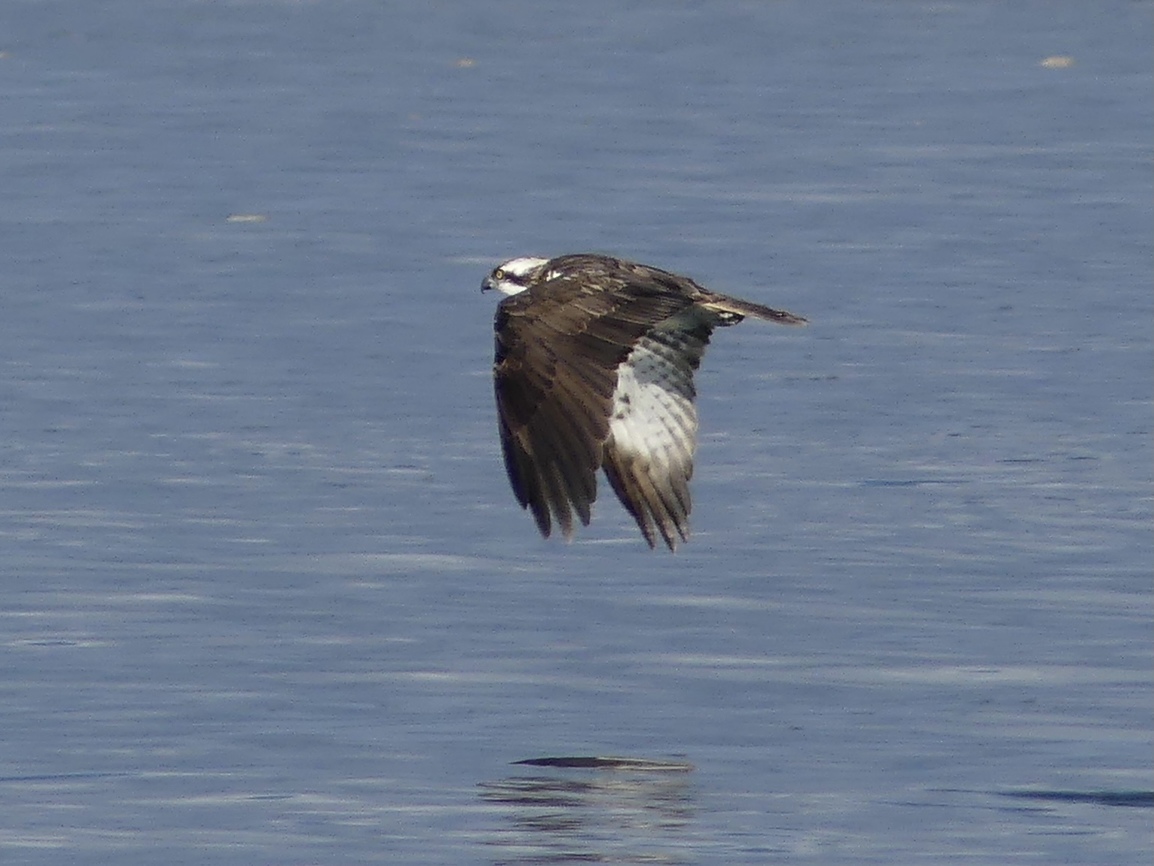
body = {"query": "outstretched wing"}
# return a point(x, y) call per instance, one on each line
point(558, 347)
point(653, 428)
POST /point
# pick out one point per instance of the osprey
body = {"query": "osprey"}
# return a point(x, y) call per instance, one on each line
point(594, 370)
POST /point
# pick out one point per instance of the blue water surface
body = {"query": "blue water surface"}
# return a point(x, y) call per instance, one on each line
point(266, 597)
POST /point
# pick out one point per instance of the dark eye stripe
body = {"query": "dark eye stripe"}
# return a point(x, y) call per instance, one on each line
point(501, 275)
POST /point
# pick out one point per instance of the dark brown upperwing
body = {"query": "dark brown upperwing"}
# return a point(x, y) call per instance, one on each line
point(558, 346)
point(656, 279)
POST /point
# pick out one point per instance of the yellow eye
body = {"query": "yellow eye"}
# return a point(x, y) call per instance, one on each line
point(499, 274)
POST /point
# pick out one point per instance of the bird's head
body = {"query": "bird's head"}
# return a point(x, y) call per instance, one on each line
point(515, 275)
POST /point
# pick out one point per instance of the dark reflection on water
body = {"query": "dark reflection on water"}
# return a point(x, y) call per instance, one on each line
point(563, 815)
point(1098, 798)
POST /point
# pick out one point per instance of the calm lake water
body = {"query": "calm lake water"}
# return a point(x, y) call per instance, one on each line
point(266, 595)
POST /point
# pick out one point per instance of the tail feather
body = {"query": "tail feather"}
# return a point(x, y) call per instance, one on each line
point(736, 306)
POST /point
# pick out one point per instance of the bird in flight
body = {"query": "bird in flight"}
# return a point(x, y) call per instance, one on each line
point(594, 370)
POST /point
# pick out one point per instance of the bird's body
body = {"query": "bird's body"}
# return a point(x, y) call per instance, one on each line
point(594, 370)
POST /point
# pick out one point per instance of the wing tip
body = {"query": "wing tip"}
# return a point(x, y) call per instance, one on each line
point(656, 511)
